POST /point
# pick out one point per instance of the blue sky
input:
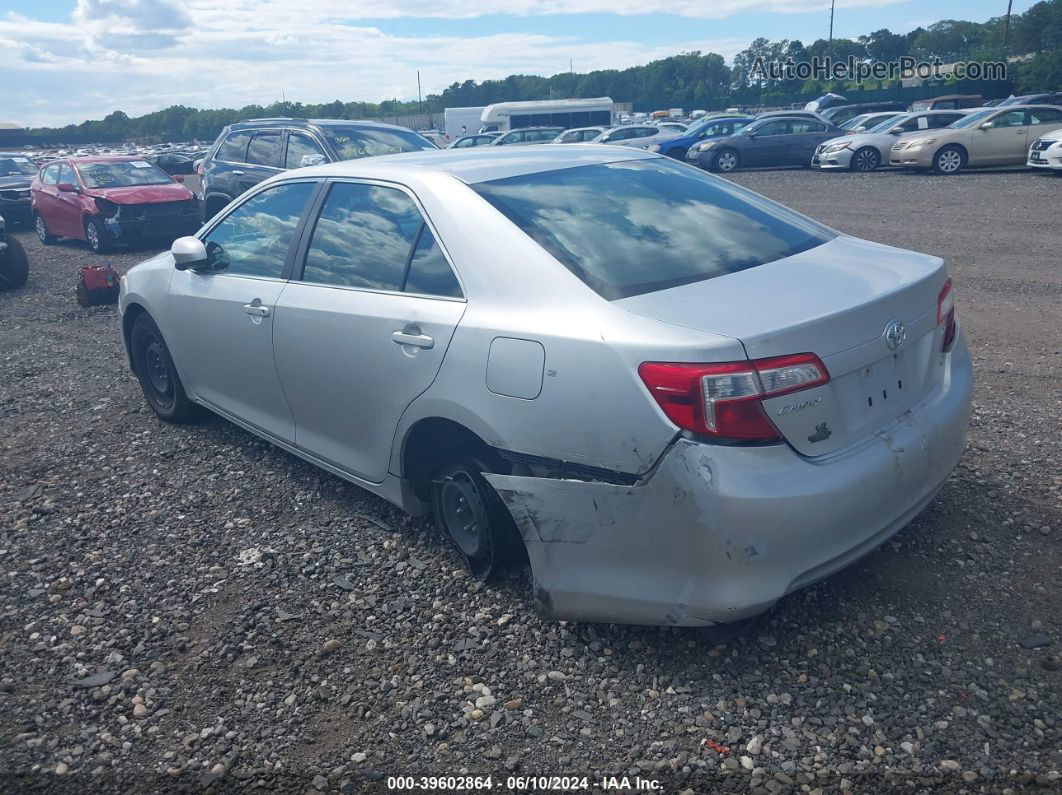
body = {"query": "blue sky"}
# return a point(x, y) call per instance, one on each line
point(66, 60)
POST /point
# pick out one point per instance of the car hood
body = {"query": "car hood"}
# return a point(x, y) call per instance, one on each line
point(20, 181)
point(143, 194)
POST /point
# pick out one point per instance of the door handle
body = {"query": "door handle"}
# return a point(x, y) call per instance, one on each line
point(256, 310)
point(416, 340)
point(237, 172)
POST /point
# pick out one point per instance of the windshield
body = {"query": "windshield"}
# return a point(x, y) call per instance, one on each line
point(16, 165)
point(351, 143)
point(889, 123)
point(1013, 101)
point(121, 175)
point(665, 224)
point(973, 119)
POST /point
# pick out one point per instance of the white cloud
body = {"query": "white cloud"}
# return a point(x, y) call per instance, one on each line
point(142, 55)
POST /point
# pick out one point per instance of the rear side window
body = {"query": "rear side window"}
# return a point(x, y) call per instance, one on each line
point(303, 151)
point(264, 149)
point(429, 272)
point(234, 148)
point(664, 224)
point(362, 237)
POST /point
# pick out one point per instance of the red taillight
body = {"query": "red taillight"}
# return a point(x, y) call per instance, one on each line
point(724, 400)
point(946, 314)
point(199, 170)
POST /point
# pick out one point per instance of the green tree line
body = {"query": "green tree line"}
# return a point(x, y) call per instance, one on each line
point(690, 80)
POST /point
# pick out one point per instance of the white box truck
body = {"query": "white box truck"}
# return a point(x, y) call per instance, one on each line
point(456, 118)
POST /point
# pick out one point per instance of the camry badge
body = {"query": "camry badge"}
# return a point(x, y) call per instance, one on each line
point(895, 335)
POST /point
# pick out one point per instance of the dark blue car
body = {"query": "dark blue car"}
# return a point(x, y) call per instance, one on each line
point(708, 127)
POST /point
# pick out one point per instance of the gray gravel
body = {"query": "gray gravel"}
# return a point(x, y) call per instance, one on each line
point(189, 608)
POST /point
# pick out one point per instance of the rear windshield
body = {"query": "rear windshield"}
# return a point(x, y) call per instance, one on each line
point(351, 143)
point(121, 175)
point(638, 226)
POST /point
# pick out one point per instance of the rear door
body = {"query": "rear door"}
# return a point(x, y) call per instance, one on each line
point(221, 317)
point(804, 136)
point(227, 165)
point(363, 329)
point(264, 159)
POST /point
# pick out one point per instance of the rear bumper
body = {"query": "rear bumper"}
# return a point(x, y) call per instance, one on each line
point(718, 534)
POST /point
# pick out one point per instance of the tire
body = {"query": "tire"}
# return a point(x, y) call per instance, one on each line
point(97, 236)
point(472, 514)
point(865, 159)
point(42, 230)
point(949, 160)
point(725, 161)
point(157, 374)
point(14, 266)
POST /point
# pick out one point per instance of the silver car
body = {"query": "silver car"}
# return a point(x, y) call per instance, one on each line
point(679, 404)
point(868, 150)
point(639, 136)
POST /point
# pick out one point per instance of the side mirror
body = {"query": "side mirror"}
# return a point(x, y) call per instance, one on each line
point(895, 131)
point(987, 125)
point(67, 187)
point(188, 252)
point(178, 178)
point(605, 139)
point(860, 129)
point(751, 134)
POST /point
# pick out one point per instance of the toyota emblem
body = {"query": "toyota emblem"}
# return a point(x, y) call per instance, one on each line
point(895, 335)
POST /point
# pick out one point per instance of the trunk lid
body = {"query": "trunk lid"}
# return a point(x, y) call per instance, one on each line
point(836, 301)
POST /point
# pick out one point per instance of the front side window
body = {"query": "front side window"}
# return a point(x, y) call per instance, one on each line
point(234, 148)
point(51, 175)
point(664, 225)
point(974, 119)
point(253, 240)
point(1016, 118)
point(119, 175)
point(303, 151)
point(362, 237)
point(66, 176)
point(264, 149)
point(351, 143)
point(772, 128)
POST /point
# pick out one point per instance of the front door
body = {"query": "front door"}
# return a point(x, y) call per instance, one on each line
point(66, 215)
point(365, 330)
point(1004, 142)
point(223, 314)
point(766, 145)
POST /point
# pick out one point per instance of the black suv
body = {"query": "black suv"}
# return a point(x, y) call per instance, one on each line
point(16, 174)
point(250, 151)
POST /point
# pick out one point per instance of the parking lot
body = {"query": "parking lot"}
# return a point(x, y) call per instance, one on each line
point(189, 607)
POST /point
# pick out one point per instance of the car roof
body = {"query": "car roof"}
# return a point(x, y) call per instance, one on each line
point(478, 164)
point(284, 121)
point(102, 159)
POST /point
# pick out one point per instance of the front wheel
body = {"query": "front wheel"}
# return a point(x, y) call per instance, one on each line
point(475, 518)
point(14, 266)
point(157, 374)
point(866, 159)
point(725, 161)
point(949, 160)
point(96, 235)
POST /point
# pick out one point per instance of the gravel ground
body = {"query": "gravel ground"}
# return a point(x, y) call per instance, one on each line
point(188, 608)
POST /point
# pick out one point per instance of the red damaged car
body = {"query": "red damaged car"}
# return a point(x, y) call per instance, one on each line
point(108, 200)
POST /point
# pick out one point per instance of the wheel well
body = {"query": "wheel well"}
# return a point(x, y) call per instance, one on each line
point(132, 312)
point(960, 147)
point(433, 444)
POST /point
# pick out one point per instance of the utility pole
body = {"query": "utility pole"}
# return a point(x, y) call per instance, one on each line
point(1006, 27)
point(420, 101)
point(571, 69)
point(829, 42)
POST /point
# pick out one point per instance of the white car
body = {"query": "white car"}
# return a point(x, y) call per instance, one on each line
point(866, 151)
point(1046, 151)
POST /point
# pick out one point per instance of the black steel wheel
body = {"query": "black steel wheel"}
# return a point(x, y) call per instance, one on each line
point(157, 374)
point(475, 518)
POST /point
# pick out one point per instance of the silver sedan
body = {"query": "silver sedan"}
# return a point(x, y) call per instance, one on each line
point(674, 398)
